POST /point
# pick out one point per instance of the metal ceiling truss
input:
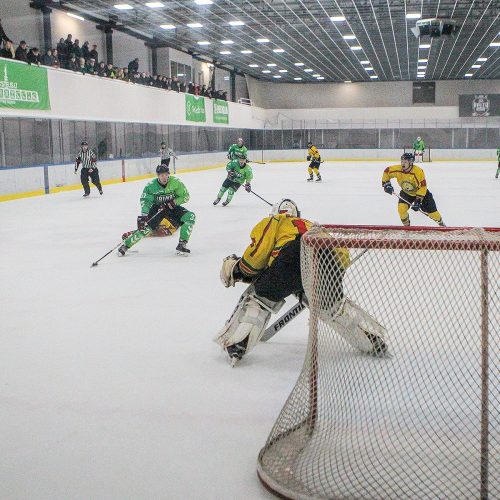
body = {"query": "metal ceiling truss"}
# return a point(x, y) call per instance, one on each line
point(303, 29)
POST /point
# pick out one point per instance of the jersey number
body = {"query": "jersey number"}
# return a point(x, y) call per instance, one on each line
point(300, 225)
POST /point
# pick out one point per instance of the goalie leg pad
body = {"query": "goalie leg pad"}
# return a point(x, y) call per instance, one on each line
point(248, 321)
point(358, 328)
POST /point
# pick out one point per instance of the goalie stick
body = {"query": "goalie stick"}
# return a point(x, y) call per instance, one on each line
point(293, 312)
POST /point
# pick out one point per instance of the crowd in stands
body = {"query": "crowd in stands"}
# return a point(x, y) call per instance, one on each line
point(69, 54)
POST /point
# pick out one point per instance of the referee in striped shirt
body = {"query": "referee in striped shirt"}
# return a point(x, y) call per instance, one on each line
point(88, 160)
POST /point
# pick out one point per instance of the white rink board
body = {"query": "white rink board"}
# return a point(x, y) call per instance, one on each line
point(111, 384)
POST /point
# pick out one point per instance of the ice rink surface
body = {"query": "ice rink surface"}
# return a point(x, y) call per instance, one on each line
point(110, 384)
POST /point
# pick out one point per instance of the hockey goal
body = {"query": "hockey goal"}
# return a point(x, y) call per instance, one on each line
point(421, 420)
point(426, 157)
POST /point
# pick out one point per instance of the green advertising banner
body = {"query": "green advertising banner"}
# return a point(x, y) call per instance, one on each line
point(221, 111)
point(23, 86)
point(195, 108)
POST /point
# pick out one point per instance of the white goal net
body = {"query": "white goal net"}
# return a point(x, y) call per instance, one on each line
point(419, 418)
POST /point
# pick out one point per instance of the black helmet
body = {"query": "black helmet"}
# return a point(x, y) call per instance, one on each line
point(162, 144)
point(309, 143)
point(162, 169)
point(84, 143)
point(408, 156)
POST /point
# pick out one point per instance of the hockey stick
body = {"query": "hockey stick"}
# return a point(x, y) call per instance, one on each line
point(94, 264)
point(253, 192)
point(293, 312)
point(408, 203)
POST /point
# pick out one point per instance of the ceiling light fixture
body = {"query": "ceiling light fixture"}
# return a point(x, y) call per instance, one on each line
point(203, 2)
point(413, 15)
point(276, 76)
point(482, 59)
point(468, 75)
point(246, 51)
point(282, 71)
point(204, 42)
point(70, 14)
point(368, 68)
point(279, 51)
point(349, 37)
point(373, 77)
point(298, 64)
point(236, 23)
point(422, 67)
point(297, 78)
point(356, 47)
point(194, 25)
point(154, 5)
point(365, 62)
point(316, 75)
point(423, 60)
point(167, 26)
point(347, 81)
point(271, 65)
point(263, 40)
point(225, 52)
point(123, 6)
point(253, 65)
point(308, 70)
point(266, 71)
point(475, 66)
point(226, 42)
point(424, 46)
point(337, 19)
point(320, 78)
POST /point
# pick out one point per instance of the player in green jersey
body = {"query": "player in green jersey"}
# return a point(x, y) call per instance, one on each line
point(162, 199)
point(238, 173)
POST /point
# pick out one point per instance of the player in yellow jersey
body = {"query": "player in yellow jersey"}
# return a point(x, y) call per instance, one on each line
point(414, 192)
point(271, 263)
point(315, 158)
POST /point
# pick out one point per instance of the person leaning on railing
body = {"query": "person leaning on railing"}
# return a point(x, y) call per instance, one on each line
point(22, 52)
point(8, 50)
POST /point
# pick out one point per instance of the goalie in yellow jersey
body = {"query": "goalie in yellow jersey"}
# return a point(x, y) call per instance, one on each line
point(414, 192)
point(271, 264)
point(315, 158)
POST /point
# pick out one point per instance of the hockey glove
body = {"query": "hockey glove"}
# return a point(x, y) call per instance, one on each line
point(388, 187)
point(248, 187)
point(231, 174)
point(230, 272)
point(308, 158)
point(416, 204)
point(141, 222)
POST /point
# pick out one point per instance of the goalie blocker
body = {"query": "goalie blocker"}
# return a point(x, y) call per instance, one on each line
point(271, 264)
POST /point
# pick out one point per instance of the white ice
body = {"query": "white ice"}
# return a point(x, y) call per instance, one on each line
point(110, 384)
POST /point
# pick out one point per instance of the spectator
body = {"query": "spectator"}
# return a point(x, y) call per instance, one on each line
point(61, 51)
point(101, 69)
point(110, 71)
point(175, 84)
point(224, 96)
point(119, 74)
point(47, 58)
point(126, 76)
point(190, 88)
point(197, 90)
point(68, 43)
point(209, 92)
point(8, 50)
point(182, 86)
point(34, 56)
point(22, 52)
point(3, 35)
point(77, 50)
point(85, 50)
point(94, 54)
point(91, 67)
point(75, 65)
point(203, 90)
point(56, 63)
point(133, 66)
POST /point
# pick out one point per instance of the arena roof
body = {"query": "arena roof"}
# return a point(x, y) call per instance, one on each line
point(337, 40)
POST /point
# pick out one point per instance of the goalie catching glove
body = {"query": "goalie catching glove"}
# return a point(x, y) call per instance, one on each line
point(230, 272)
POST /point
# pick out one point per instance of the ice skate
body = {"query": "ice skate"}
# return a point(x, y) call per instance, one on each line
point(216, 201)
point(181, 249)
point(122, 250)
point(225, 203)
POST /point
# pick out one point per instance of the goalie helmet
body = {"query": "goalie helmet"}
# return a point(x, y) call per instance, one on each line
point(162, 169)
point(286, 206)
